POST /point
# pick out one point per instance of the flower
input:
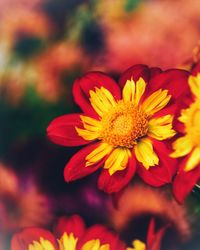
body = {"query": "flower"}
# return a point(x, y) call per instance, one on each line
point(24, 22)
point(153, 239)
point(49, 67)
point(70, 234)
point(131, 207)
point(124, 128)
point(187, 145)
point(21, 203)
point(129, 35)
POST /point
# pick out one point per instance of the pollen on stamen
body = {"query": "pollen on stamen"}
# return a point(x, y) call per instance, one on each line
point(123, 125)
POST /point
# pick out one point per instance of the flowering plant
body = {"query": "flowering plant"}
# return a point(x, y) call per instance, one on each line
point(127, 127)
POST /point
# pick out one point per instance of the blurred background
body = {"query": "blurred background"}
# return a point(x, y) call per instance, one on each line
point(44, 46)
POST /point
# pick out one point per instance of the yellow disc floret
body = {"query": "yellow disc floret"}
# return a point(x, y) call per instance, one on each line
point(123, 125)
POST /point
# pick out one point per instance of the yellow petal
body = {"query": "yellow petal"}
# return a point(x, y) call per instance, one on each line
point(91, 128)
point(182, 146)
point(109, 97)
point(139, 245)
point(193, 160)
point(67, 242)
point(99, 153)
point(129, 91)
point(41, 245)
point(88, 135)
point(90, 124)
point(194, 83)
point(117, 160)
point(155, 102)
point(185, 115)
point(140, 88)
point(35, 246)
point(95, 245)
point(105, 247)
point(91, 245)
point(145, 154)
point(161, 128)
point(90, 121)
point(101, 100)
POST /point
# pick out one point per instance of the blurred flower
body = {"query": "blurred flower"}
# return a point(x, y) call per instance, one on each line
point(23, 32)
point(108, 118)
point(148, 33)
point(196, 53)
point(14, 79)
point(140, 200)
point(153, 239)
point(20, 23)
point(69, 233)
point(46, 72)
point(8, 180)
point(8, 4)
point(51, 66)
point(21, 204)
point(188, 145)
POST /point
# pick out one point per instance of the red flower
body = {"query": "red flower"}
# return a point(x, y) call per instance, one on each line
point(187, 146)
point(124, 126)
point(69, 234)
point(153, 239)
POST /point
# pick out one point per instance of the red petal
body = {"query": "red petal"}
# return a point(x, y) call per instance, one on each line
point(73, 224)
point(76, 169)
point(175, 80)
point(83, 85)
point(154, 72)
point(135, 72)
point(114, 183)
point(62, 130)
point(106, 237)
point(154, 238)
point(21, 240)
point(185, 181)
point(159, 175)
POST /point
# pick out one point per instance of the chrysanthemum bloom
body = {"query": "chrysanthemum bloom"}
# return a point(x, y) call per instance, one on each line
point(69, 234)
point(153, 239)
point(187, 146)
point(124, 128)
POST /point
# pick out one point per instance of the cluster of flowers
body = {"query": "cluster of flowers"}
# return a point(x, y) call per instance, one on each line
point(71, 234)
point(148, 125)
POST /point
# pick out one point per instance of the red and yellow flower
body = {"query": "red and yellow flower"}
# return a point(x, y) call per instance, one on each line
point(125, 126)
point(187, 145)
point(69, 234)
point(153, 239)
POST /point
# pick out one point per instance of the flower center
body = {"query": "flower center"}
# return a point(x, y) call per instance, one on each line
point(193, 123)
point(123, 125)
